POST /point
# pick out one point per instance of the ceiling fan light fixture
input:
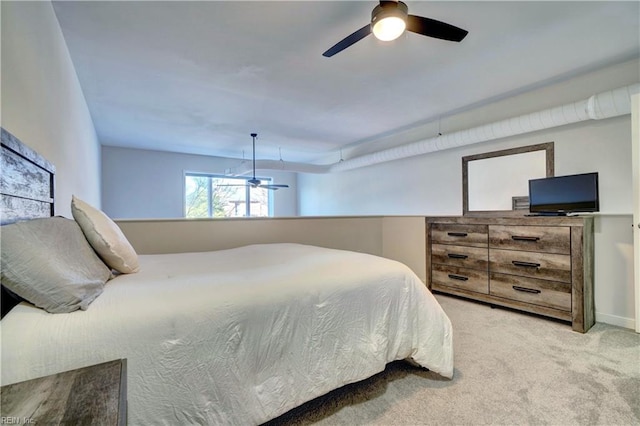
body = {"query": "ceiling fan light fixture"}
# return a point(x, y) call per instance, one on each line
point(389, 20)
point(389, 28)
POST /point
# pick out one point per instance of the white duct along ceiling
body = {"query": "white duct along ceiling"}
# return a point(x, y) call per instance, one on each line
point(245, 167)
point(612, 103)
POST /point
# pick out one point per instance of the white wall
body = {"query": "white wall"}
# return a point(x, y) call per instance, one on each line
point(613, 274)
point(432, 184)
point(635, 152)
point(42, 103)
point(139, 184)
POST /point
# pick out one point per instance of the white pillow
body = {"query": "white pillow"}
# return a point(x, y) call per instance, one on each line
point(105, 237)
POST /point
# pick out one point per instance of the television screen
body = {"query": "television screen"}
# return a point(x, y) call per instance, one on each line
point(564, 194)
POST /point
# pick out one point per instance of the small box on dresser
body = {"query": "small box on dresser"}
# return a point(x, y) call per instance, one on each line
point(542, 265)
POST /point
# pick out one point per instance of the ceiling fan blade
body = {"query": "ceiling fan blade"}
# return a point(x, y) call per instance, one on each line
point(273, 187)
point(432, 28)
point(348, 41)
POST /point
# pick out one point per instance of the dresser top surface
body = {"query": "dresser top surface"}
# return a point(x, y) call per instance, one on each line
point(513, 220)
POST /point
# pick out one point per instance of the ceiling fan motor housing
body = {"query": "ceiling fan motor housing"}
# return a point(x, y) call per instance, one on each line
point(389, 8)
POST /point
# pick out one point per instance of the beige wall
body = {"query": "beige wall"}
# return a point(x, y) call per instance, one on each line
point(397, 238)
point(403, 239)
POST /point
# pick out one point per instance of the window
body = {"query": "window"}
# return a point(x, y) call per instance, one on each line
point(222, 196)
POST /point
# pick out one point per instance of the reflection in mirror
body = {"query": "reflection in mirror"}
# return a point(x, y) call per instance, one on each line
point(496, 182)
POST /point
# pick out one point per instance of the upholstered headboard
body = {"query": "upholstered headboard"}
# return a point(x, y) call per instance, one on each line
point(27, 183)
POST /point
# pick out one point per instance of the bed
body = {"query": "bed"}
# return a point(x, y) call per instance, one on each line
point(237, 336)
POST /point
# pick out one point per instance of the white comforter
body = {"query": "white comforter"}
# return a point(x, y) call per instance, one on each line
point(238, 336)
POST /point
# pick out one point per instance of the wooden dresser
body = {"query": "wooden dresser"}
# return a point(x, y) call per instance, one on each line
point(542, 265)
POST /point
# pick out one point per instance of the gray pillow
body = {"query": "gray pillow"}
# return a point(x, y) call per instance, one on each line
point(49, 263)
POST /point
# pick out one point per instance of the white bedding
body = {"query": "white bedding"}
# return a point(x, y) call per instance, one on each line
point(238, 336)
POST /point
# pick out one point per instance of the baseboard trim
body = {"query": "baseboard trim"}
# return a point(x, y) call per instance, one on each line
point(616, 320)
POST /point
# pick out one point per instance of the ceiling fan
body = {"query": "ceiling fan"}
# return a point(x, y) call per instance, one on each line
point(390, 19)
point(256, 183)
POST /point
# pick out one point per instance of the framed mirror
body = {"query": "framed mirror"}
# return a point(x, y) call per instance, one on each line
point(497, 183)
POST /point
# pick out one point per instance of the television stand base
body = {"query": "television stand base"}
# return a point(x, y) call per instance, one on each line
point(547, 214)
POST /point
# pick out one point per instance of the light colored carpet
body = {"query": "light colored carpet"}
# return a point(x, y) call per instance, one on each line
point(510, 368)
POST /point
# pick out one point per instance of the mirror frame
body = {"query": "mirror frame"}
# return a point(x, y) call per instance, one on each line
point(547, 147)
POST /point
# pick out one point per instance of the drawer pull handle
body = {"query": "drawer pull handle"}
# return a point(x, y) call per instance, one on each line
point(458, 277)
point(457, 234)
point(526, 264)
point(525, 238)
point(456, 256)
point(526, 290)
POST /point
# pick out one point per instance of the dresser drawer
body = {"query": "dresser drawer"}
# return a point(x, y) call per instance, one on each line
point(550, 294)
point(547, 239)
point(466, 257)
point(545, 266)
point(465, 235)
point(463, 278)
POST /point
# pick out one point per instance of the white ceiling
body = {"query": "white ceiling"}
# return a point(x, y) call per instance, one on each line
point(199, 77)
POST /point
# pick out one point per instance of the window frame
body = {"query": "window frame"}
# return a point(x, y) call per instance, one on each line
point(211, 176)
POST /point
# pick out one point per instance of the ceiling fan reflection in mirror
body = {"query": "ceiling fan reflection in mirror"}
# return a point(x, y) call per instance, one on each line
point(255, 182)
point(390, 19)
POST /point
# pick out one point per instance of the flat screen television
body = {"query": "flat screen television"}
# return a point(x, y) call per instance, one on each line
point(564, 194)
